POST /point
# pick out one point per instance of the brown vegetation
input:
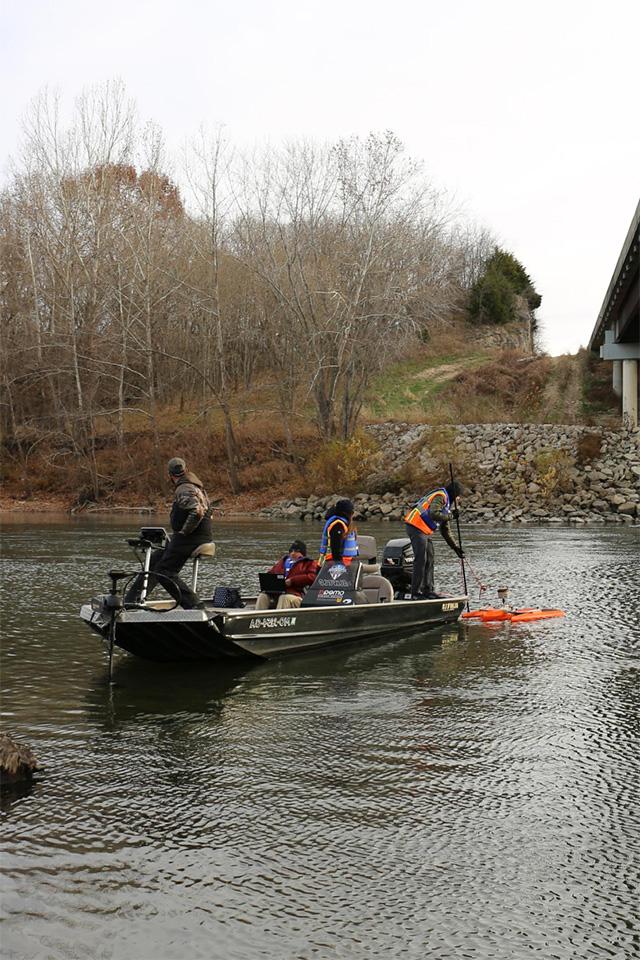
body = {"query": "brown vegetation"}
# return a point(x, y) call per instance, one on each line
point(552, 472)
point(589, 447)
point(346, 465)
point(507, 388)
point(429, 462)
point(126, 473)
point(306, 269)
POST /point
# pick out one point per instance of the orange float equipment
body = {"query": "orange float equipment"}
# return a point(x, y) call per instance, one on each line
point(487, 615)
point(523, 615)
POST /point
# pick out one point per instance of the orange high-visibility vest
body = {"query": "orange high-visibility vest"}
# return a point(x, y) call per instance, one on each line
point(419, 517)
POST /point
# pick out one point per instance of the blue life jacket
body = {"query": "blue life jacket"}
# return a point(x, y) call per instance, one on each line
point(350, 543)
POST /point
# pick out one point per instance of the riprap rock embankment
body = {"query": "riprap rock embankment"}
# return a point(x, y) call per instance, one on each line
point(526, 473)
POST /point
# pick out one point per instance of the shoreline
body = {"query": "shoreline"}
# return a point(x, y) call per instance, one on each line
point(19, 510)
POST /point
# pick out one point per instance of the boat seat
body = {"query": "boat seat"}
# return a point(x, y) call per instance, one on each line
point(368, 554)
point(377, 589)
point(204, 551)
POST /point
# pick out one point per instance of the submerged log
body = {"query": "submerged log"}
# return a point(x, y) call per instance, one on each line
point(17, 761)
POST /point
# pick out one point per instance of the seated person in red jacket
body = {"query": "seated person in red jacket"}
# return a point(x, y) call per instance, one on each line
point(300, 572)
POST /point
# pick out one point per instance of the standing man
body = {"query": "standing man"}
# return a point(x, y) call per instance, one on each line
point(431, 512)
point(300, 572)
point(339, 540)
point(191, 525)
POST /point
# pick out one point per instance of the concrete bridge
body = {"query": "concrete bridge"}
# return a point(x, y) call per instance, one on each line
point(617, 330)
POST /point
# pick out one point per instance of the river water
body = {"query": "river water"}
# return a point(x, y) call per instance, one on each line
point(465, 793)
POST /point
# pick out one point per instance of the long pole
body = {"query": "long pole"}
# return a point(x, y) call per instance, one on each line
point(464, 575)
point(112, 637)
point(114, 604)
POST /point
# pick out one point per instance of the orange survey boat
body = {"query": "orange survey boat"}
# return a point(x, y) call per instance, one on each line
point(524, 614)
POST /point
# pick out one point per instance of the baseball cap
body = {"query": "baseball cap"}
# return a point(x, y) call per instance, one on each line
point(176, 466)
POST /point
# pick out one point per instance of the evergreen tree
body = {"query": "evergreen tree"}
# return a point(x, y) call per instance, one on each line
point(492, 297)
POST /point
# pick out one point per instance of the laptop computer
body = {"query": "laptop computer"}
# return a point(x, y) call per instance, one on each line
point(272, 582)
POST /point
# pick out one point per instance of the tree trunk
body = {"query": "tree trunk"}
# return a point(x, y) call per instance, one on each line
point(231, 447)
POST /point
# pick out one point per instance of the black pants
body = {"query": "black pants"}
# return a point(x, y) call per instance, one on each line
point(423, 560)
point(169, 562)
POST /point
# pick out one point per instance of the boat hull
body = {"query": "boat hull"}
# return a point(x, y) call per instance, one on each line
point(179, 635)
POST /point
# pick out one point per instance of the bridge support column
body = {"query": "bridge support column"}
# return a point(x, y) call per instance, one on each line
point(630, 393)
point(617, 378)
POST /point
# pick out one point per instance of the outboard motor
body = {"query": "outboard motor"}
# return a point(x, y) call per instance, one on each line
point(397, 565)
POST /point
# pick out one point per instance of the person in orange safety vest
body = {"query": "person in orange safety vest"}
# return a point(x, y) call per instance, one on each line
point(432, 512)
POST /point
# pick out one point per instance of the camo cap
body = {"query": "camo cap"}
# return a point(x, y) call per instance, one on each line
point(176, 466)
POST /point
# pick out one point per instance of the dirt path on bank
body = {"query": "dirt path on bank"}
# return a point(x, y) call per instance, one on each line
point(562, 396)
point(448, 370)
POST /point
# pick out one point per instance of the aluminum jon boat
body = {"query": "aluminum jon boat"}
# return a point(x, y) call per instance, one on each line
point(158, 630)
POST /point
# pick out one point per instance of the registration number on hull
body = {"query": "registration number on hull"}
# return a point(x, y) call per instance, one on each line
point(267, 623)
point(449, 606)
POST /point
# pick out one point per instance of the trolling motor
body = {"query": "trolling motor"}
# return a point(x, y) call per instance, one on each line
point(112, 603)
point(150, 539)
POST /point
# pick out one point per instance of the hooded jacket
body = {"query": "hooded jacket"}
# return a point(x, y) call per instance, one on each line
point(301, 575)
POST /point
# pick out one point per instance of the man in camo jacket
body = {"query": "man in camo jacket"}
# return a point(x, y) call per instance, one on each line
point(191, 525)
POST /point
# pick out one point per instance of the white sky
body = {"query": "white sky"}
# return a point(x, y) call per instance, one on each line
point(529, 114)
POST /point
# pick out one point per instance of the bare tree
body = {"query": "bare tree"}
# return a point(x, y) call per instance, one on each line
point(334, 233)
point(208, 166)
point(306, 267)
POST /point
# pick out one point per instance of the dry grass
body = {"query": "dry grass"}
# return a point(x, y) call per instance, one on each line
point(507, 388)
point(16, 757)
point(428, 462)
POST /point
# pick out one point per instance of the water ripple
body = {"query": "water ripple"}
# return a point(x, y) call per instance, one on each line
point(471, 792)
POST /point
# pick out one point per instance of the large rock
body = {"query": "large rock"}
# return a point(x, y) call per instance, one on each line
point(17, 761)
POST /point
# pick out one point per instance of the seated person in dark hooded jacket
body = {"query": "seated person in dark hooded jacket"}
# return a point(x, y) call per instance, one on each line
point(300, 572)
point(191, 525)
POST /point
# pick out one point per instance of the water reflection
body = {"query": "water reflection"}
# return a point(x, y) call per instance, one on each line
point(144, 690)
point(12, 793)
